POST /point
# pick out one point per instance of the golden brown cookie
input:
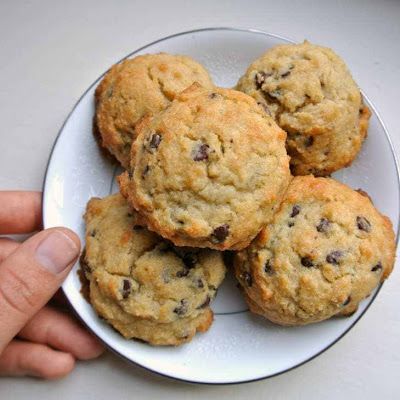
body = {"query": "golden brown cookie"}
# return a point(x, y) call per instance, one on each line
point(135, 87)
point(325, 251)
point(141, 284)
point(209, 170)
point(311, 94)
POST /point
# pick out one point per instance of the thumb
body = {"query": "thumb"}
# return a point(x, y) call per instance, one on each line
point(31, 275)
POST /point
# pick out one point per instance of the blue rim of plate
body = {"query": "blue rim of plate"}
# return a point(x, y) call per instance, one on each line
point(233, 29)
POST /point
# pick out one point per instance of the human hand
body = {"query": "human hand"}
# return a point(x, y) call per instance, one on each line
point(36, 339)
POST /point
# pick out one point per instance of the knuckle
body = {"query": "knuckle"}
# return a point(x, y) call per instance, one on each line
point(17, 293)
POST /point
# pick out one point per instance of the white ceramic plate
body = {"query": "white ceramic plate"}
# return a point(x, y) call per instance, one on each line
point(239, 347)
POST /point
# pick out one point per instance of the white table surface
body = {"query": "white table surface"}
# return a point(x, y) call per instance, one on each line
point(51, 51)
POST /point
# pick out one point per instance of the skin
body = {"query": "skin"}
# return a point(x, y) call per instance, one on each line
point(36, 339)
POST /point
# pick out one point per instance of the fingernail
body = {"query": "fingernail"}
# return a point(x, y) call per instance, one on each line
point(56, 252)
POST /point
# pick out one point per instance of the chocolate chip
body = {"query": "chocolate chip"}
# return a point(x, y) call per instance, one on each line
point(377, 267)
point(126, 288)
point(348, 300)
point(309, 141)
point(200, 152)
point(190, 260)
point(306, 262)
point(129, 215)
point(182, 308)
point(334, 257)
point(213, 95)
point(137, 227)
point(155, 140)
point(323, 225)
point(93, 233)
point(145, 171)
point(290, 224)
point(260, 78)
point(220, 233)
point(182, 273)
point(199, 283)
point(363, 224)
point(247, 278)
point(265, 108)
point(295, 211)
point(268, 268)
point(206, 302)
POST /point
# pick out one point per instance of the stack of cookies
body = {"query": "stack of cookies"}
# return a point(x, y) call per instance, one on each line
point(211, 169)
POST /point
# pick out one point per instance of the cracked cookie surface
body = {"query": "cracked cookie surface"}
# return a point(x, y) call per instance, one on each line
point(209, 170)
point(135, 87)
point(310, 93)
point(141, 284)
point(326, 250)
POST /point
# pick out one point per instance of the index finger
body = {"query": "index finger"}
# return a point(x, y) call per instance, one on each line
point(20, 212)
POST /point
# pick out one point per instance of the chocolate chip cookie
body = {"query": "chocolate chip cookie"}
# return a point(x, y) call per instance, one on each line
point(311, 94)
point(209, 170)
point(141, 284)
point(325, 251)
point(135, 87)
